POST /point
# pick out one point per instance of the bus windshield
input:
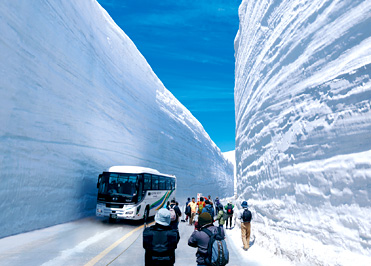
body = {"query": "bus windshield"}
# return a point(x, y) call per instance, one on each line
point(118, 184)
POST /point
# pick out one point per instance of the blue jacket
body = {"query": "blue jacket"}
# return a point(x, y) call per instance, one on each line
point(209, 208)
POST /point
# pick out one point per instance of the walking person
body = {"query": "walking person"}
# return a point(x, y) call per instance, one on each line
point(229, 210)
point(187, 210)
point(220, 215)
point(175, 213)
point(200, 238)
point(216, 205)
point(200, 205)
point(208, 208)
point(193, 206)
point(245, 217)
point(160, 241)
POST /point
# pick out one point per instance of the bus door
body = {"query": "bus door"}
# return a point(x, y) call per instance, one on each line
point(140, 187)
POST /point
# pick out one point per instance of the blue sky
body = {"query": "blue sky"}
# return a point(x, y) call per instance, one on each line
point(189, 45)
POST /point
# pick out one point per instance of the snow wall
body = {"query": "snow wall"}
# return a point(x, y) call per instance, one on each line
point(77, 97)
point(303, 127)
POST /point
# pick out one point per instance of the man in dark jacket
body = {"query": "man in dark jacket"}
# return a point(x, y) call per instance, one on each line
point(173, 205)
point(199, 239)
point(188, 213)
point(160, 241)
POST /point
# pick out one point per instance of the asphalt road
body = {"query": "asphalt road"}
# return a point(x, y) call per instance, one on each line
point(93, 241)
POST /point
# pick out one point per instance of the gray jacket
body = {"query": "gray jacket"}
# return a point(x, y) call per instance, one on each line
point(200, 240)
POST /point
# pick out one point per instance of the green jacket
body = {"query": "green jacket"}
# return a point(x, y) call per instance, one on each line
point(226, 207)
point(220, 217)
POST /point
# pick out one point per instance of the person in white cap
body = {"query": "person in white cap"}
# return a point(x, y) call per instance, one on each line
point(160, 241)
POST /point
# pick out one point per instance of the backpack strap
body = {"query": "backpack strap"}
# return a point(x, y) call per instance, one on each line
point(207, 231)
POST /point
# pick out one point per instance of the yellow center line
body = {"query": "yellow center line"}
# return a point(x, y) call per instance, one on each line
point(107, 250)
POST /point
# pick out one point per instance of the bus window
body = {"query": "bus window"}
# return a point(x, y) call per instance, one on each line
point(112, 183)
point(147, 182)
point(172, 183)
point(161, 184)
point(154, 182)
point(140, 187)
point(127, 184)
point(168, 183)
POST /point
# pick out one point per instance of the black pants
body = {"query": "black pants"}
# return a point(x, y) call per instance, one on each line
point(230, 221)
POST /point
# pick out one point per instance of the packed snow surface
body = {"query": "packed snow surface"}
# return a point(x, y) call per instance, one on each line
point(303, 127)
point(77, 97)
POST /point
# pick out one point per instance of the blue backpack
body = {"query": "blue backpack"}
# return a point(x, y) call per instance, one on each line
point(217, 251)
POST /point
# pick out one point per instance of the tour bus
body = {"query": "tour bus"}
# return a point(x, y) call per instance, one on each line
point(131, 192)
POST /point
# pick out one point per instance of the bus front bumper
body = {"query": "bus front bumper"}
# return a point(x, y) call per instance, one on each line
point(117, 213)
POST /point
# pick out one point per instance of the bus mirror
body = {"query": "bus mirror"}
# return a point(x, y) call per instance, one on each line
point(99, 180)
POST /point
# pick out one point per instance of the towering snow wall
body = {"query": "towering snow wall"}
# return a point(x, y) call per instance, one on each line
point(303, 126)
point(76, 97)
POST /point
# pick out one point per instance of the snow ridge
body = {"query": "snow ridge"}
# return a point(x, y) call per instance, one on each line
point(303, 126)
point(76, 98)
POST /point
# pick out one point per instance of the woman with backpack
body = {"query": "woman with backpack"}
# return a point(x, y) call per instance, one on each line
point(229, 211)
point(220, 215)
point(175, 213)
point(245, 217)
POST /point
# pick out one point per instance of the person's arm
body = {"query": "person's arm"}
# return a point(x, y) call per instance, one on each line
point(192, 241)
point(218, 216)
point(178, 212)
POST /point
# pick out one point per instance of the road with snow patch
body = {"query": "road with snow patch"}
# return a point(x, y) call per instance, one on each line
point(94, 241)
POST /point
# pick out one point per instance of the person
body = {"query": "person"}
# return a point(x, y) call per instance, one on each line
point(210, 200)
point(208, 208)
point(200, 239)
point(245, 218)
point(160, 241)
point(216, 201)
point(229, 210)
point(187, 210)
point(220, 215)
point(174, 224)
point(200, 205)
point(193, 206)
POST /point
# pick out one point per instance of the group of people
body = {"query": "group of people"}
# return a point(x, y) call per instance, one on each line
point(161, 239)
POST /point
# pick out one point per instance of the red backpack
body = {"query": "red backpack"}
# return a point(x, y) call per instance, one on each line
point(229, 209)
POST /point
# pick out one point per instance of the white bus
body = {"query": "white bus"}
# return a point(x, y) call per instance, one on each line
point(131, 192)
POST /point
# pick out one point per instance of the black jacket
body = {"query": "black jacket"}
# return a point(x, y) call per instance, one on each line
point(160, 243)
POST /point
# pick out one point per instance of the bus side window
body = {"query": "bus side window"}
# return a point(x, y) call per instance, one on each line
point(155, 182)
point(168, 183)
point(161, 183)
point(173, 183)
point(147, 182)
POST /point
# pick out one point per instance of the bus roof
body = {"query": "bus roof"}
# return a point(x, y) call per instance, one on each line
point(135, 170)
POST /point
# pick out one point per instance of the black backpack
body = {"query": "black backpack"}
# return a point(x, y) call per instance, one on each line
point(188, 210)
point(246, 216)
point(229, 209)
point(160, 243)
point(217, 251)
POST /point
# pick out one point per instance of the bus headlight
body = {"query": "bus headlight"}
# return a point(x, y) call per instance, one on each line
point(100, 208)
point(131, 211)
